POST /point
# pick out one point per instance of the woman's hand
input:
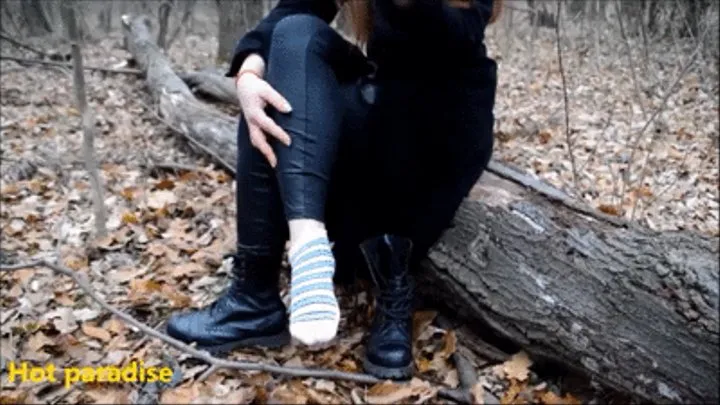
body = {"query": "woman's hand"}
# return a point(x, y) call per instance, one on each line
point(254, 94)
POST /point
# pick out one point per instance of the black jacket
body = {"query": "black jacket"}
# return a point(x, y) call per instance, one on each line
point(426, 36)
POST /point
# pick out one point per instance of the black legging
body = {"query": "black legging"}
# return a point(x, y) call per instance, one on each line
point(402, 165)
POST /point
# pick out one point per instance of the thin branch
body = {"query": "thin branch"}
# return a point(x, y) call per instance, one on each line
point(69, 65)
point(88, 121)
point(299, 372)
point(207, 373)
point(630, 60)
point(661, 108)
point(465, 370)
point(565, 99)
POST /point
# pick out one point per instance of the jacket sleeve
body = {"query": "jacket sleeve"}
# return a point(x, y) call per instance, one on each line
point(450, 22)
point(258, 40)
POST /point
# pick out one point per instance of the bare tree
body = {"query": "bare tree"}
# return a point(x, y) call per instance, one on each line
point(105, 17)
point(36, 20)
point(188, 6)
point(69, 18)
point(236, 18)
point(163, 16)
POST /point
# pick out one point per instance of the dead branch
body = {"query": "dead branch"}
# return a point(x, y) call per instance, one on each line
point(571, 154)
point(466, 371)
point(70, 65)
point(299, 372)
point(669, 92)
point(643, 171)
point(628, 50)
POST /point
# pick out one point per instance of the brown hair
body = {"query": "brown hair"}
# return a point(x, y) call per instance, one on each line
point(359, 14)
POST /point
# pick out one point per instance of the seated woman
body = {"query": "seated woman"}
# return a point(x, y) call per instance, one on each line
point(374, 153)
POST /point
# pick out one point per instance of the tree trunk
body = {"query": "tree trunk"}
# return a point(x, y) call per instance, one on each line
point(35, 18)
point(637, 310)
point(163, 17)
point(236, 18)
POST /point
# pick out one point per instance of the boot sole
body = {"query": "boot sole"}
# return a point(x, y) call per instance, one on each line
point(270, 342)
point(393, 373)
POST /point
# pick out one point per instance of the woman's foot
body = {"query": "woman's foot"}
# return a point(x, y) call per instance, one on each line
point(314, 310)
point(388, 351)
point(249, 313)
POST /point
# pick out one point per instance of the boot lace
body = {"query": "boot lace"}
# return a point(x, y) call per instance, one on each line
point(395, 301)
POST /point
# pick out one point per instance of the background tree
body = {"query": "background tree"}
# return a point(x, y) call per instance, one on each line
point(235, 18)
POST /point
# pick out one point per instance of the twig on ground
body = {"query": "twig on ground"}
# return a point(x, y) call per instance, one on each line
point(565, 99)
point(210, 370)
point(300, 372)
point(466, 371)
point(69, 65)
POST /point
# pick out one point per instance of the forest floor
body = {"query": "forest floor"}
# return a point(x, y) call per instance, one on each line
point(171, 217)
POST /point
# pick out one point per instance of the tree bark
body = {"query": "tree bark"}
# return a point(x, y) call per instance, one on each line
point(635, 309)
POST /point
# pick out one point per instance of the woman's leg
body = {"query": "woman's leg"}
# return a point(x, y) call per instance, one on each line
point(303, 66)
point(250, 312)
point(426, 168)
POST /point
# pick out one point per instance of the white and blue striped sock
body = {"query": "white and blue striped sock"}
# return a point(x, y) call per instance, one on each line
point(314, 310)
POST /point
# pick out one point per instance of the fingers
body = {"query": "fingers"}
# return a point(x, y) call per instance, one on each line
point(275, 99)
point(270, 127)
point(258, 140)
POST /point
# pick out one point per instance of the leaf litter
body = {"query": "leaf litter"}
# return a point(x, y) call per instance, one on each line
point(174, 227)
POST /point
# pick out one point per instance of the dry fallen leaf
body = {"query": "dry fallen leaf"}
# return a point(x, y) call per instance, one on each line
point(478, 393)
point(38, 340)
point(165, 184)
point(610, 209)
point(449, 344)
point(108, 396)
point(388, 392)
point(512, 395)
point(285, 394)
point(95, 332)
point(544, 137)
point(180, 395)
point(161, 199)
point(129, 218)
point(421, 320)
point(551, 398)
point(517, 367)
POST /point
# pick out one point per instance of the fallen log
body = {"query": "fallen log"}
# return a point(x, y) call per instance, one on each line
point(637, 310)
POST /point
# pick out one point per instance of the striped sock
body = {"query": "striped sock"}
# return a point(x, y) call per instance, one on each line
point(314, 310)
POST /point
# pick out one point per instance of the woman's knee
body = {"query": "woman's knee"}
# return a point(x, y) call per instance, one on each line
point(296, 32)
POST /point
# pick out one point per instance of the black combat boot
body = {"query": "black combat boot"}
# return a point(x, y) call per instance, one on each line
point(249, 313)
point(388, 352)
